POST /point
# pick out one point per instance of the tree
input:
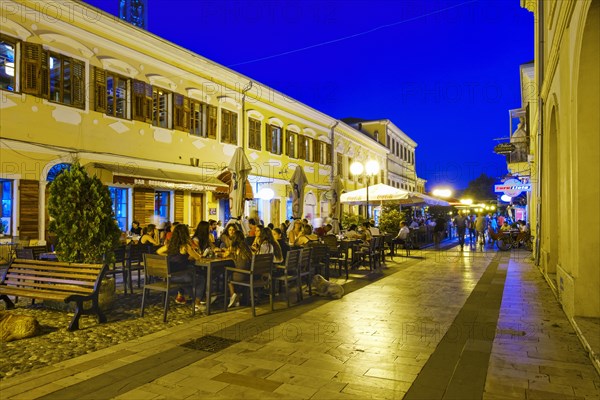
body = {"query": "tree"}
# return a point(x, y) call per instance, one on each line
point(481, 188)
point(82, 217)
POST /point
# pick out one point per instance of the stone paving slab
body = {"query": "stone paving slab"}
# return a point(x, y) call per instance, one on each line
point(373, 343)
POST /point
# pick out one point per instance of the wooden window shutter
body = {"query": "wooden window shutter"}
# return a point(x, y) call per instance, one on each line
point(44, 75)
point(178, 112)
point(211, 128)
point(148, 103)
point(31, 68)
point(78, 80)
point(301, 147)
point(234, 128)
point(29, 203)
point(99, 90)
point(269, 137)
point(187, 111)
point(139, 100)
point(316, 151)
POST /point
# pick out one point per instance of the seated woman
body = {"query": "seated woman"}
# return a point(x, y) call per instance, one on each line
point(181, 256)
point(228, 234)
point(268, 245)
point(150, 235)
point(256, 243)
point(352, 233)
point(203, 240)
point(241, 255)
point(278, 236)
point(306, 237)
point(295, 232)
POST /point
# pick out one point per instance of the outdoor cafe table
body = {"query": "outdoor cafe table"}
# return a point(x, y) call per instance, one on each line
point(345, 246)
point(210, 264)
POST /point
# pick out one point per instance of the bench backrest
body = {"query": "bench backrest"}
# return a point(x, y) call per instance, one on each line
point(52, 276)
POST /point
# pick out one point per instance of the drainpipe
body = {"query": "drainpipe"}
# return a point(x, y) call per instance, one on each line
point(246, 88)
point(332, 130)
point(540, 130)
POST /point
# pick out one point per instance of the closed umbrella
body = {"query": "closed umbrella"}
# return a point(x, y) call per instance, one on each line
point(336, 205)
point(240, 168)
point(298, 182)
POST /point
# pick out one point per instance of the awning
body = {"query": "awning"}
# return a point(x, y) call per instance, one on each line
point(379, 192)
point(131, 174)
point(225, 176)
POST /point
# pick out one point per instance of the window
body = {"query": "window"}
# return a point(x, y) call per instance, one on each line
point(120, 206)
point(7, 64)
point(305, 148)
point(254, 132)
point(161, 108)
point(181, 112)
point(405, 154)
point(301, 147)
point(290, 144)
point(211, 123)
point(111, 93)
point(6, 196)
point(273, 139)
point(66, 80)
point(339, 158)
point(387, 141)
point(162, 205)
point(142, 101)
point(197, 119)
point(318, 148)
point(228, 127)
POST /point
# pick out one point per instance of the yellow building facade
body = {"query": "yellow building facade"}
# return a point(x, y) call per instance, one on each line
point(156, 122)
point(565, 147)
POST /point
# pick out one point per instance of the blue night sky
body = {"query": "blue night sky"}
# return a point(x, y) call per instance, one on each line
point(445, 72)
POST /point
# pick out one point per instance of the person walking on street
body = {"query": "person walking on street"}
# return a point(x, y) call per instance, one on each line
point(460, 221)
point(438, 231)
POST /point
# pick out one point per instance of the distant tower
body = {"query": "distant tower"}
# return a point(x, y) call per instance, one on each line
point(134, 12)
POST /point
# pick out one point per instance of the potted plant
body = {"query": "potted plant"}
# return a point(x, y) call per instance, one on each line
point(81, 214)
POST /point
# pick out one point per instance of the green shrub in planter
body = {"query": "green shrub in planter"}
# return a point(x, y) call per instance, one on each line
point(81, 217)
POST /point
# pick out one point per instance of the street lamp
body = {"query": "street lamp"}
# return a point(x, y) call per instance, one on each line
point(371, 168)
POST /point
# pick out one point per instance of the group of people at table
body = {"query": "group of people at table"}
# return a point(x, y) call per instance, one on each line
point(183, 249)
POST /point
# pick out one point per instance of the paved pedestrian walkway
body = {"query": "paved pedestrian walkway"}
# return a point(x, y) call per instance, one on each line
point(442, 325)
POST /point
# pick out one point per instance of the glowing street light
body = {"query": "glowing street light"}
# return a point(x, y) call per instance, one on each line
point(466, 202)
point(371, 168)
point(442, 192)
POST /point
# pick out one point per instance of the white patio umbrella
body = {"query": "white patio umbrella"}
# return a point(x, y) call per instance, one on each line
point(240, 168)
point(298, 182)
point(380, 192)
point(417, 198)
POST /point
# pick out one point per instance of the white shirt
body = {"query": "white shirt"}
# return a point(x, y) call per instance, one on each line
point(404, 232)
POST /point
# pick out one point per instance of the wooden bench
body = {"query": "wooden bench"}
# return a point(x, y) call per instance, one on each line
point(58, 281)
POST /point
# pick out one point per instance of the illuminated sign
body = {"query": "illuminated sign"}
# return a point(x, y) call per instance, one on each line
point(159, 184)
point(504, 148)
point(512, 187)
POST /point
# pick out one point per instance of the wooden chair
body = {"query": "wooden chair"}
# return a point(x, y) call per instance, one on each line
point(370, 253)
point(336, 253)
point(119, 265)
point(134, 262)
point(319, 260)
point(157, 276)
point(288, 273)
point(259, 276)
point(305, 270)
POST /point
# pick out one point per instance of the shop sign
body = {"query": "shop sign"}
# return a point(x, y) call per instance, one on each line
point(504, 148)
point(154, 183)
point(512, 187)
